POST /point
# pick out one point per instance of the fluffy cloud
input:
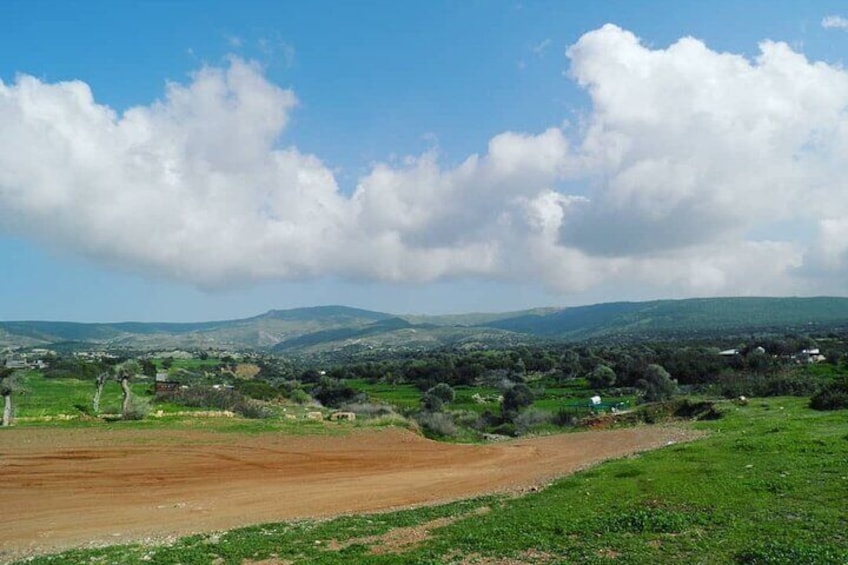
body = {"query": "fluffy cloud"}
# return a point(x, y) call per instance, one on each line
point(192, 186)
point(683, 155)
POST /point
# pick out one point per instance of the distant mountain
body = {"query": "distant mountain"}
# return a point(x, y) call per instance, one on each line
point(695, 315)
point(261, 331)
point(336, 328)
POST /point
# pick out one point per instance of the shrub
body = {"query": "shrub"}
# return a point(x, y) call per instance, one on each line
point(487, 419)
point(254, 410)
point(601, 377)
point(515, 398)
point(260, 390)
point(443, 391)
point(467, 419)
point(564, 417)
point(657, 384)
point(734, 385)
point(138, 410)
point(299, 396)
point(220, 399)
point(333, 392)
point(431, 402)
point(531, 418)
point(833, 396)
point(437, 424)
point(368, 409)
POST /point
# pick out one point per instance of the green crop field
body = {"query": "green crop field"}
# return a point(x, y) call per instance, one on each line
point(768, 484)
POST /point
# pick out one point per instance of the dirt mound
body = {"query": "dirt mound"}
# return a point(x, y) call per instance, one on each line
point(79, 487)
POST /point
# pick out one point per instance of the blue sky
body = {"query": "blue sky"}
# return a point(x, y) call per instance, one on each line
point(363, 190)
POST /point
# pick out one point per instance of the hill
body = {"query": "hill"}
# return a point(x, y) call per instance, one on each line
point(334, 328)
point(689, 316)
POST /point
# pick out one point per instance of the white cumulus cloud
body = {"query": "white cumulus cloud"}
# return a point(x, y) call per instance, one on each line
point(682, 155)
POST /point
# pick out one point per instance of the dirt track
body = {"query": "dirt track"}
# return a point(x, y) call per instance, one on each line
point(71, 488)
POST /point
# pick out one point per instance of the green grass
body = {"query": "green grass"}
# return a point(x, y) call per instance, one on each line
point(407, 396)
point(41, 397)
point(399, 395)
point(45, 401)
point(768, 485)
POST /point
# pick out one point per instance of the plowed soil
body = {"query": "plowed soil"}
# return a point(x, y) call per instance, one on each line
point(63, 488)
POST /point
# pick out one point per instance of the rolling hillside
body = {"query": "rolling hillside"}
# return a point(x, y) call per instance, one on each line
point(696, 315)
point(329, 328)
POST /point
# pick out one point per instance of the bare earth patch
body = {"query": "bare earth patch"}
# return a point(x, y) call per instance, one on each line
point(66, 488)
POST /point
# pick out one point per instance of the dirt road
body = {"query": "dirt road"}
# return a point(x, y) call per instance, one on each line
point(78, 487)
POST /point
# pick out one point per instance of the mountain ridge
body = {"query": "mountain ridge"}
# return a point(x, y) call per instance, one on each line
point(331, 327)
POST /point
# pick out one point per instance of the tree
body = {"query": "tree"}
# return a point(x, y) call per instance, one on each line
point(569, 364)
point(435, 398)
point(148, 368)
point(601, 376)
point(657, 384)
point(333, 392)
point(443, 391)
point(8, 382)
point(99, 383)
point(431, 402)
point(515, 398)
point(124, 372)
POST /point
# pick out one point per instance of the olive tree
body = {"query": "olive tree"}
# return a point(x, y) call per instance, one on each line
point(601, 376)
point(99, 383)
point(124, 372)
point(8, 382)
point(515, 398)
point(657, 384)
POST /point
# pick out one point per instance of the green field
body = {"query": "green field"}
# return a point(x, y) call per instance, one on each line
point(41, 397)
point(768, 484)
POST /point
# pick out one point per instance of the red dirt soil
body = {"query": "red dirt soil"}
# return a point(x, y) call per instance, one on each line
point(64, 488)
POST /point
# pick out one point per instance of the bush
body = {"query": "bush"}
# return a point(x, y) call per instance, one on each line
point(138, 410)
point(436, 424)
point(657, 384)
point(734, 385)
point(219, 399)
point(833, 396)
point(467, 419)
point(531, 418)
point(431, 402)
point(299, 396)
point(564, 417)
point(443, 391)
point(260, 390)
point(601, 377)
point(368, 409)
point(333, 392)
point(254, 410)
point(515, 398)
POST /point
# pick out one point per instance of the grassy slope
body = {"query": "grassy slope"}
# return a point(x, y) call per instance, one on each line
point(768, 485)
